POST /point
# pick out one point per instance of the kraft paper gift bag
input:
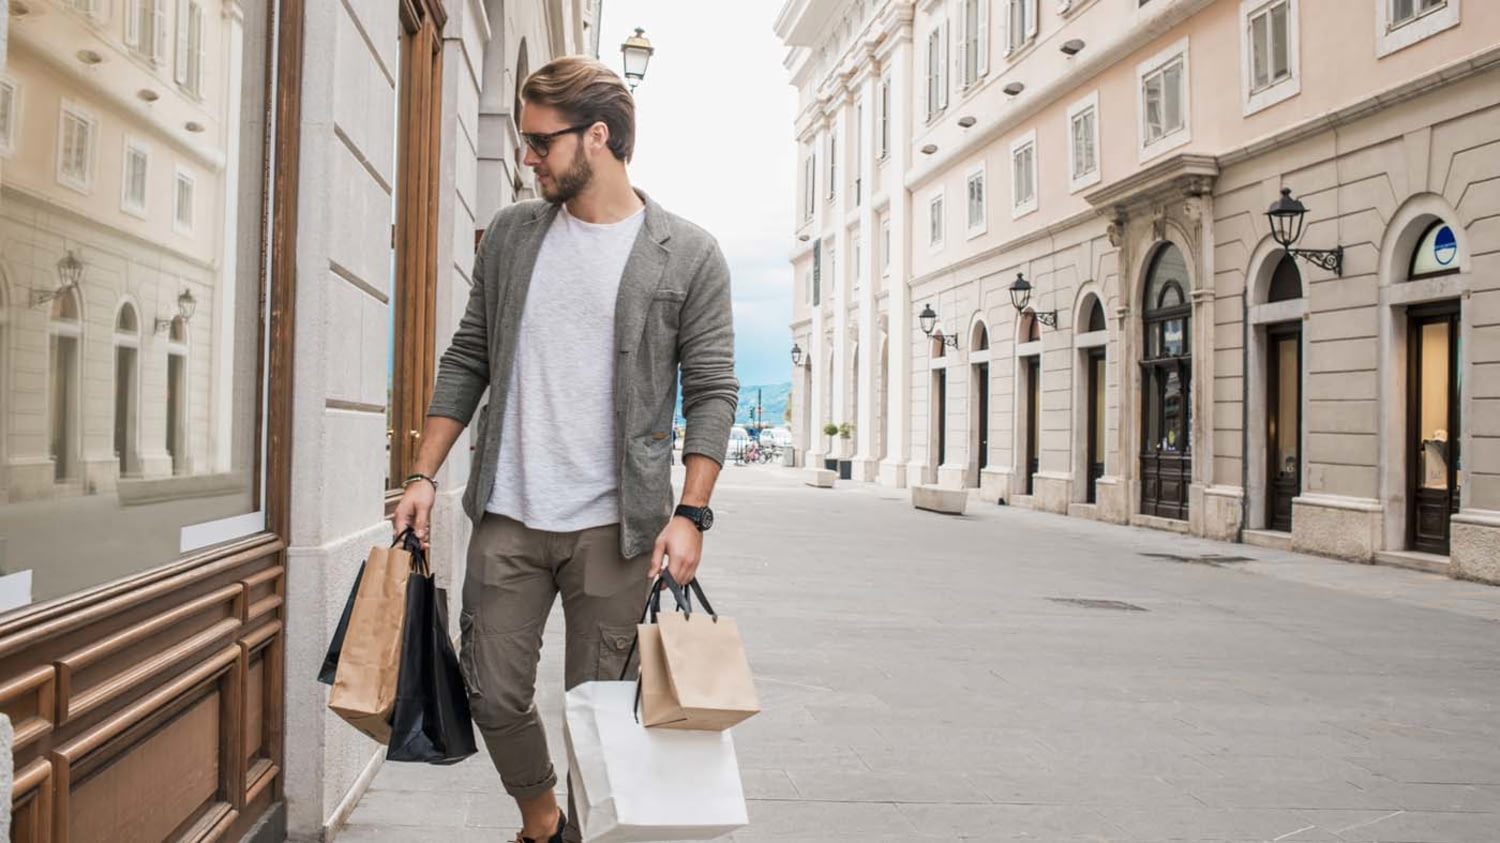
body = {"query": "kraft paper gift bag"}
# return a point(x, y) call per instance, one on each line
point(631, 784)
point(369, 662)
point(694, 672)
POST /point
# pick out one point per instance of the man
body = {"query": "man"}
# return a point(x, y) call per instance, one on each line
point(586, 307)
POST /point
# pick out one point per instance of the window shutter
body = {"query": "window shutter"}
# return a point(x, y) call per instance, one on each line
point(159, 29)
point(1031, 19)
point(963, 44)
point(133, 23)
point(943, 66)
point(195, 39)
point(983, 41)
point(180, 62)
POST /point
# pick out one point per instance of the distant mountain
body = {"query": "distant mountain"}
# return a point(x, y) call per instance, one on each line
point(772, 397)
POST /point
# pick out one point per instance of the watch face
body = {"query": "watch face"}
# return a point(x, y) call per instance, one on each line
point(706, 520)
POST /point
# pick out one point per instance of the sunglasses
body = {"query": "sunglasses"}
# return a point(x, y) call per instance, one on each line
point(541, 142)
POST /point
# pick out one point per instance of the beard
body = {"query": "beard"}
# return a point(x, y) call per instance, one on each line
point(567, 185)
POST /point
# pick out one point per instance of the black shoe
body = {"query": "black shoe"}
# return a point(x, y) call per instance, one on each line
point(557, 836)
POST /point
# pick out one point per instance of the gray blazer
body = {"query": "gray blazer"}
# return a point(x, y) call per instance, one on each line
point(673, 311)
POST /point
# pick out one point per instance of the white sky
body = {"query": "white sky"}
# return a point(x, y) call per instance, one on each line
point(714, 143)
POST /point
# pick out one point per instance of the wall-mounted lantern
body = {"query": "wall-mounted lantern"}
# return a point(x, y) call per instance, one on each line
point(186, 305)
point(1287, 216)
point(928, 319)
point(637, 51)
point(796, 354)
point(69, 272)
point(1020, 297)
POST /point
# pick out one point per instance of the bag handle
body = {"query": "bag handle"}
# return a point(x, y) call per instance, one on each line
point(411, 544)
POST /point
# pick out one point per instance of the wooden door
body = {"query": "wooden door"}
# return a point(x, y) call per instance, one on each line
point(1433, 435)
point(1283, 423)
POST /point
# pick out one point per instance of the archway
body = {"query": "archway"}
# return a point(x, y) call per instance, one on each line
point(1166, 381)
point(127, 343)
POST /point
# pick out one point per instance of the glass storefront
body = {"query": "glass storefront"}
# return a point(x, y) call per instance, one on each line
point(133, 182)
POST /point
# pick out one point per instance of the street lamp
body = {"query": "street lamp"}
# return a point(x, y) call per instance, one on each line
point(1287, 216)
point(70, 271)
point(637, 51)
point(796, 354)
point(186, 306)
point(1020, 296)
point(928, 320)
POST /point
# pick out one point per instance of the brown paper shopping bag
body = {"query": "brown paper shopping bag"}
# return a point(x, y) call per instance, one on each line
point(364, 688)
point(694, 672)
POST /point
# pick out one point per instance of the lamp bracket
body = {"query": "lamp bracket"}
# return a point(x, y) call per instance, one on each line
point(951, 342)
point(1331, 260)
point(1046, 317)
point(41, 297)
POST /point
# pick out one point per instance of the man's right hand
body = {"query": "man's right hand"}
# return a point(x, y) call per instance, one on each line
point(415, 510)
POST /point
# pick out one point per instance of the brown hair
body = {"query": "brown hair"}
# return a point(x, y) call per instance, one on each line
point(585, 90)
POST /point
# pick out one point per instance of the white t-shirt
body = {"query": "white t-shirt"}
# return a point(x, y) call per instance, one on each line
point(557, 468)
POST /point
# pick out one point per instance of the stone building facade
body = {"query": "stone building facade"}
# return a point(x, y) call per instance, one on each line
point(1173, 365)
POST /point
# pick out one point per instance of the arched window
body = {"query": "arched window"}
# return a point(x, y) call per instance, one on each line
point(1286, 281)
point(1094, 315)
point(1166, 376)
point(1029, 330)
point(1436, 252)
point(981, 339)
point(127, 379)
point(64, 360)
point(177, 395)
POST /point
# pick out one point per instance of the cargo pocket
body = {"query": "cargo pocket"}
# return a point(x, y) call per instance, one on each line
point(614, 647)
point(466, 645)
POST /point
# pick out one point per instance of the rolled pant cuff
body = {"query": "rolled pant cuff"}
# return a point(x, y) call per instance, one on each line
point(531, 791)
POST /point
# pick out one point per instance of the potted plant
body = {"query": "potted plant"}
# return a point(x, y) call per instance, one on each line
point(846, 467)
point(830, 462)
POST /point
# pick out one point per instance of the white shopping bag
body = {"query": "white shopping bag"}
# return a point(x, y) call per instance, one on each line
point(631, 784)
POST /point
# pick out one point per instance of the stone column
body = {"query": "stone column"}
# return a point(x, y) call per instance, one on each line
point(816, 348)
point(896, 54)
point(865, 467)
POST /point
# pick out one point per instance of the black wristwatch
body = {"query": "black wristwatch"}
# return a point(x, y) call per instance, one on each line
point(701, 516)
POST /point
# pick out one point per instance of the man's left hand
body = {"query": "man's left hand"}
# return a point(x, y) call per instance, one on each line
point(682, 545)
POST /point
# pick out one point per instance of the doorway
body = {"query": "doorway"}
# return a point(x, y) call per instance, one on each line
point(982, 385)
point(940, 416)
point(1283, 423)
point(1031, 370)
point(1166, 375)
point(1434, 470)
point(1096, 424)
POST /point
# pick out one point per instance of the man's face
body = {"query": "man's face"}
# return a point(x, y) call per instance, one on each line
point(562, 170)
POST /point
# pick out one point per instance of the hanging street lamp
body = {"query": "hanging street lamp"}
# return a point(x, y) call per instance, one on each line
point(186, 306)
point(1020, 296)
point(69, 271)
point(796, 354)
point(637, 51)
point(1287, 216)
point(928, 320)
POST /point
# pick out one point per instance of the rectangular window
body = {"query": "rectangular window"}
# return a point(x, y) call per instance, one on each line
point(1270, 38)
point(1023, 174)
point(182, 204)
point(935, 221)
point(1083, 142)
point(146, 27)
point(885, 117)
point(133, 187)
point(975, 193)
point(809, 185)
point(1163, 101)
point(1021, 23)
point(1404, 11)
point(188, 65)
point(858, 262)
point(75, 148)
point(9, 114)
point(974, 41)
point(885, 247)
point(817, 273)
point(833, 145)
point(937, 70)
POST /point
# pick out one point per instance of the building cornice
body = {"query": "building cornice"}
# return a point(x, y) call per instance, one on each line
point(1012, 245)
point(1187, 174)
point(1052, 90)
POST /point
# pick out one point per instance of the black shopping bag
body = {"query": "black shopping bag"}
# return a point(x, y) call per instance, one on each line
point(431, 721)
point(330, 667)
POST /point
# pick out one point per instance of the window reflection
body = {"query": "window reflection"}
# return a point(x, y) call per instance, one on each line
point(132, 165)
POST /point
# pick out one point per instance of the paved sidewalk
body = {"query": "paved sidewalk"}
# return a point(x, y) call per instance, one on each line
point(923, 679)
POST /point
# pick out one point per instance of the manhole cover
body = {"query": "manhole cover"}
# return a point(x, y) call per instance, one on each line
point(1088, 603)
point(1199, 559)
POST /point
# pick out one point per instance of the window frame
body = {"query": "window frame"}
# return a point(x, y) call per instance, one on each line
point(179, 176)
point(936, 221)
point(141, 209)
point(972, 228)
point(72, 109)
point(832, 165)
point(1020, 207)
point(1078, 181)
point(1160, 63)
point(1278, 90)
point(1032, 25)
point(937, 70)
point(1391, 37)
point(885, 116)
point(810, 186)
point(8, 132)
point(885, 247)
point(974, 45)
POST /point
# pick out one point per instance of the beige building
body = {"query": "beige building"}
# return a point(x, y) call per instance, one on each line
point(1171, 363)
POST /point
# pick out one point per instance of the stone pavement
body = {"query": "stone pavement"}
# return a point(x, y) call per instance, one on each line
point(924, 678)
